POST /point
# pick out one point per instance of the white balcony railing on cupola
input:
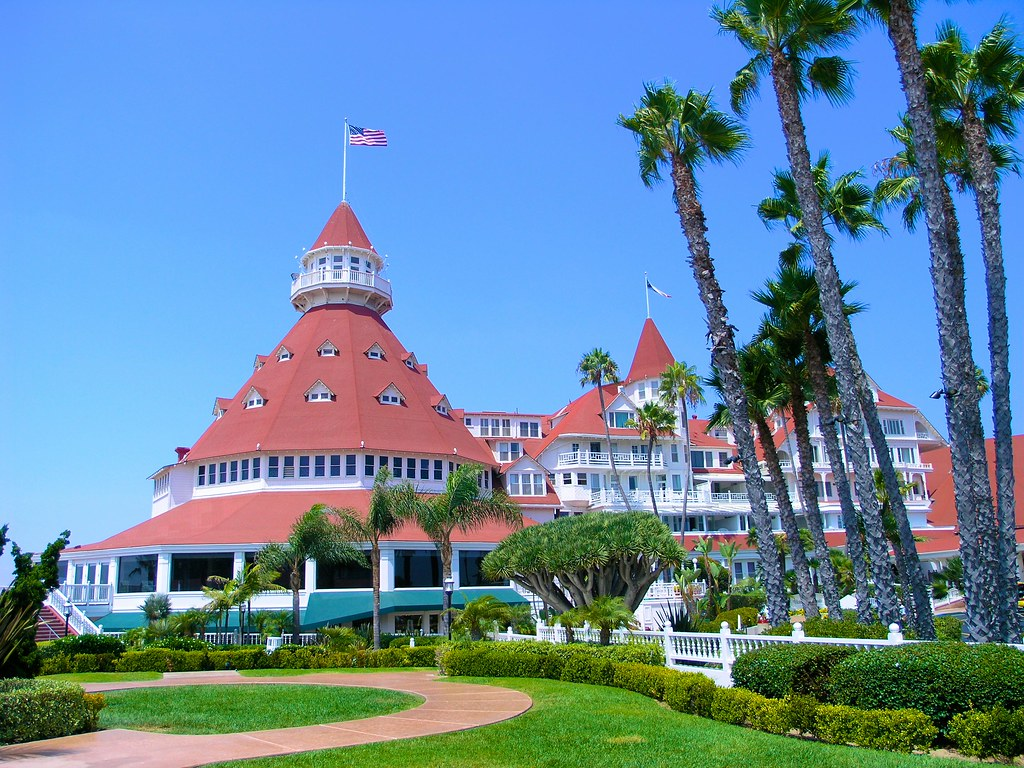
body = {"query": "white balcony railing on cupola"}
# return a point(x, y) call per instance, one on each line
point(593, 459)
point(641, 499)
point(340, 277)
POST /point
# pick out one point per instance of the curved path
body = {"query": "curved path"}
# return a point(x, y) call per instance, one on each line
point(447, 707)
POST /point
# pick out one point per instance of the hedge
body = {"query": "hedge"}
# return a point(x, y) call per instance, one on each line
point(946, 628)
point(73, 645)
point(894, 730)
point(940, 679)
point(999, 733)
point(779, 670)
point(45, 709)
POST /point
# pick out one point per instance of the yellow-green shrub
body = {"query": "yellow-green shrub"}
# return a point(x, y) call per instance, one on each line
point(894, 730)
point(44, 709)
point(998, 733)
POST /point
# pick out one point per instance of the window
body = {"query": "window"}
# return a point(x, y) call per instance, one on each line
point(424, 469)
point(222, 474)
point(211, 473)
point(824, 489)
point(136, 573)
point(201, 480)
point(506, 427)
point(529, 429)
point(485, 428)
point(256, 469)
point(720, 433)
point(368, 466)
point(104, 574)
point(815, 454)
point(347, 576)
point(336, 465)
point(190, 573)
point(410, 469)
point(319, 396)
point(376, 352)
point(289, 467)
point(677, 483)
point(697, 459)
point(410, 365)
point(284, 580)
point(723, 459)
point(525, 484)
point(254, 399)
point(595, 447)
point(509, 451)
point(417, 568)
point(320, 466)
point(383, 463)
point(619, 418)
point(467, 421)
point(906, 455)
point(470, 572)
point(674, 453)
point(441, 408)
point(245, 469)
point(567, 478)
point(234, 471)
point(641, 391)
point(438, 469)
point(327, 350)
point(350, 465)
point(396, 467)
point(581, 478)
point(283, 354)
point(390, 398)
point(892, 426)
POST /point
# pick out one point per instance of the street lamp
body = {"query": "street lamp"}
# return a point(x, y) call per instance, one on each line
point(938, 394)
point(446, 606)
point(67, 620)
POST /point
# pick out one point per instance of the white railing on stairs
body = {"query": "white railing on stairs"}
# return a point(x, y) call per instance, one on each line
point(77, 620)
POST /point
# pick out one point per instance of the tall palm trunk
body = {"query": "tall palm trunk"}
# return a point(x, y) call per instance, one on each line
point(295, 582)
point(957, 362)
point(444, 547)
point(688, 475)
point(650, 478)
point(801, 568)
point(611, 454)
point(851, 520)
point(986, 195)
point(723, 357)
point(375, 571)
point(812, 513)
point(848, 374)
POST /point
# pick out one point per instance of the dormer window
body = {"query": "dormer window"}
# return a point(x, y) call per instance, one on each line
point(258, 362)
point(443, 410)
point(327, 350)
point(220, 406)
point(283, 354)
point(390, 395)
point(319, 393)
point(254, 399)
point(376, 352)
point(440, 404)
point(410, 361)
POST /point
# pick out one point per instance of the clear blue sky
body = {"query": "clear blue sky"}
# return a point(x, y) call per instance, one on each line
point(161, 165)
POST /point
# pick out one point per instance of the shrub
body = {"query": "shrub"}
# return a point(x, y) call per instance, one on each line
point(642, 679)
point(900, 730)
point(82, 662)
point(161, 660)
point(999, 733)
point(73, 645)
point(848, 628)
point(581, 668)
point(769, 715)
point(690, 692)
point(748, 614)
point(949, 628)
point(779, 670)
point(247, 658)
point(939, 679)
point(731, 705)
point(181, 644)
point(45, 709)
point(402, 641)
point(803, 712)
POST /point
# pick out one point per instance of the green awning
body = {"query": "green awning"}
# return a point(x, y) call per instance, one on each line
point(344, 606)
point(122, 621)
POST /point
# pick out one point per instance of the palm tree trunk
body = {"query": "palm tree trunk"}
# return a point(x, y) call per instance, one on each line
point(375, 571)
point(957, 362)
point(296, 629)
point(723, 357)
point(801, 568)
point(445, 548)
point(851, 520)
point(611, 453)
point(849, 375)
point(812, 512)
point(650, 478)
point(902, 565)
point(986, 195)
point(687, 476)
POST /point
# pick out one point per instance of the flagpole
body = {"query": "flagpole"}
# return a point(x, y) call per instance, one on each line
point(647, 295)
point(344, 163)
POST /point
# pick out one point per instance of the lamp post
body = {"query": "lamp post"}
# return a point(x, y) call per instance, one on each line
point(446, 605)
point(67, 620)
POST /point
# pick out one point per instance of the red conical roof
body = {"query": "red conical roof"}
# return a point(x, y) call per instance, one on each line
point(343, 228)
point(652, 354)
point(354, 418)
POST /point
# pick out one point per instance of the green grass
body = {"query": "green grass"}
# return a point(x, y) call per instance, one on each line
point(234, 708)
point(586, 726)
point(342, 670)
point(104, 677)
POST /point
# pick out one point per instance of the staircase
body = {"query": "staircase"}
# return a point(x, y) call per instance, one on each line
point(51, 625)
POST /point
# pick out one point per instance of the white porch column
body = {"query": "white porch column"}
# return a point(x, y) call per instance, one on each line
point(163, 572)
point(238, 566)
point(387, 570)
point(455, 569)
point(310, 579)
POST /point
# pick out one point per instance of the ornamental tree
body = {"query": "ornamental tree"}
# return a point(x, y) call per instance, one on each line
point(572, 561)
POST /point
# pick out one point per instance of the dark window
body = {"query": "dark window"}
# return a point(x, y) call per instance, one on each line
point(272, 468)
point(234, 471)
point(350, 465)
point(303, 466)
point(336, 465)
point(320, 466)
point(396, 466)
point(284, 580)
point(190, 573)
point(345, 576)
point(424, 469)
point(417, 568)
point(382, 462)
point(438, 468)
point(410, 468)
point(368, 466)
point(289, 467)
point(223, 473)
point(136, 573)
point(202, 475)
point(211, 473)
point(470, 573)
point(697, 459)
point(255, 469)
point(245, 469)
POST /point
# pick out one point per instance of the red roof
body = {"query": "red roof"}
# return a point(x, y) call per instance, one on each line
point(260, 518)
point(885, 400)
point(343, 228)
point(652, 354)
point(583, 417)
point(356, 419)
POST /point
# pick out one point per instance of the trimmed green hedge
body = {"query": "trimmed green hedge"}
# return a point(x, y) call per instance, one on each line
point(528, 658)
point(779, 670)
point(940, 679)
point(72, 645)
point(899, 730)
point(44, 709)
point(999, 733)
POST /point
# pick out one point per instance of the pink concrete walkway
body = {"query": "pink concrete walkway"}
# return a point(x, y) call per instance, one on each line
point(447, 707)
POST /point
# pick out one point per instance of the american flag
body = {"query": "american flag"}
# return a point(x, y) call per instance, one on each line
point(366, 137)
point(660, 293)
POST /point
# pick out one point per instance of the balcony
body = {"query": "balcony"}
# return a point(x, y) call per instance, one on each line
point(575, 459)
point(340, 278)
point(728, 502)
point(87, 594)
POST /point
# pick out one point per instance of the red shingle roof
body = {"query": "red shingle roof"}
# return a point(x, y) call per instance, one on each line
point(652, 354)
point(343, 228)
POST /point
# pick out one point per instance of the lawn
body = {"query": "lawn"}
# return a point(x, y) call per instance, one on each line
point(574, 725)
point(234, 708)
point(104, 677)
point(341, 670)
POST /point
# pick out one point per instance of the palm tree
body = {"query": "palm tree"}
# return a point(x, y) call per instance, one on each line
point(254, 579)
point(597, 368)
point(314, 536)
point(765, 395)
point(462, 506)
point(785, 38)
point(981, 92)
point(963, 417)
point(479, 615)
point(607, 613)
point(157, 606)
point(652, 420)
point(682, 133)
point(680, 387)
point(390, 505)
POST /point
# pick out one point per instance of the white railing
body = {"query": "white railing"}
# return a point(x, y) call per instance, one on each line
point(306, 638)
point(592, 459)
point(87, 594)
point(642, 498)
point(669, 590)
point(76, 620)
point(340, 277)
point(710, 653)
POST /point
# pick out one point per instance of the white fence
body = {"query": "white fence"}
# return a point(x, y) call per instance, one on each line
point(711, 654)
point(76, 620)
